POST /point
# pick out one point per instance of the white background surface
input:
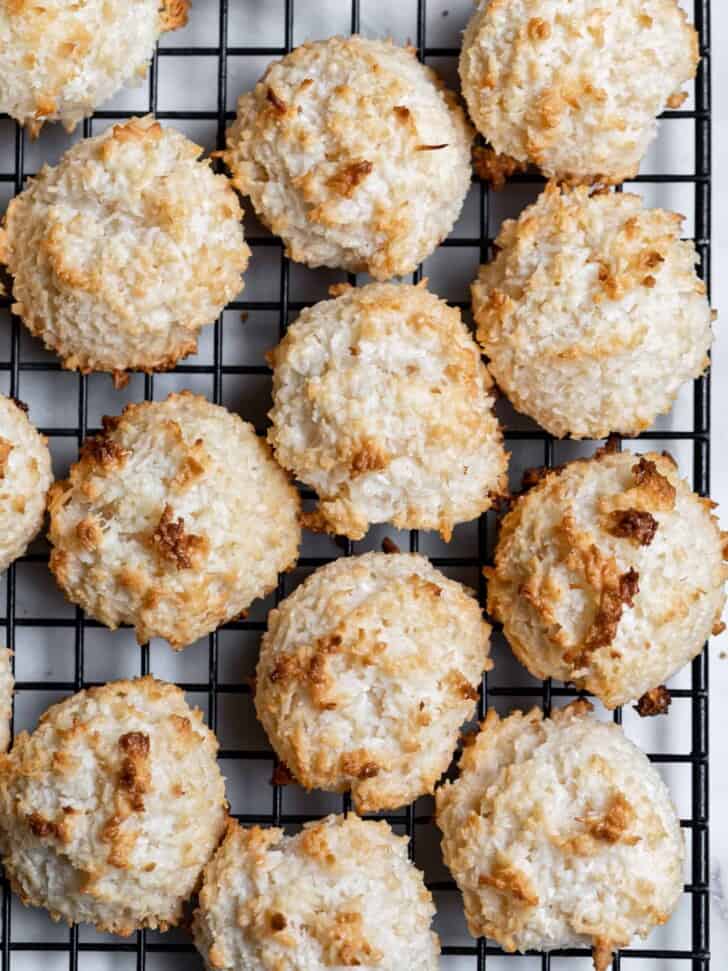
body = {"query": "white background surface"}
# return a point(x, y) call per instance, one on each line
point(719, 666)
point(53, 402)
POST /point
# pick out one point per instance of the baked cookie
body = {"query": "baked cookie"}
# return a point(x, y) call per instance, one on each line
point(7, 684)
point(341, 893)
point(382, 404)
point(25, 477)
point(59, 60)
point(591, 314)
point(560, 833)
point(354, 153)
point(609, 573)
point(366, 674)
point(111, 808)
point(122, 251)
point(173, 520)
point(575, 86)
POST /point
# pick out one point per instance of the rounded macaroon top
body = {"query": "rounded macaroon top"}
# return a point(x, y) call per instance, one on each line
point(7, 684)
point(341, 893)
point(25, 476)
point(173, 520)
point(366, 674)
point(609, 573)
point(560, 833)
point(382, 404)
point(592, 315)
point(575, 86)
point(112, 806)
point(59, 60)
point(354, 153)
point(122, 251)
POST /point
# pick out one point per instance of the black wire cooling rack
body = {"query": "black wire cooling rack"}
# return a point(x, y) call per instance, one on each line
point(144, 949)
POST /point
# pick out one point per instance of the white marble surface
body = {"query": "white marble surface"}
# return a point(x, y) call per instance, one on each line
point(719, 665)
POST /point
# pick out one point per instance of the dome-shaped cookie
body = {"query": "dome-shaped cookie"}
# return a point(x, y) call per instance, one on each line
point(25, 476)
point(60, 60)
point(575, 86)
point(111, 808)
point(609, 573)
point(354, 153)
point(382, 404)
point(7, 683)
point(173, 520)
point(366, 674)
point(340, 894)
point(591, 314)
point(125, 249)
point(560, 833)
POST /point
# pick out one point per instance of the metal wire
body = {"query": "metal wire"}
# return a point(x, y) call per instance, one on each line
point(698, 957)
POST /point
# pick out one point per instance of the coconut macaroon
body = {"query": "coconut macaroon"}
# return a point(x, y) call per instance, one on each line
point(354, 153)
point(111, 808)
point(122, 251)
point(382, 404)
point(59, 60)
point(560, 833)
point(609, 573)
point(25, 477)
point(591, 314)
point(173, 520)
point(366, 675)
point(341, 893)
point(575, 86)
point(7, 684)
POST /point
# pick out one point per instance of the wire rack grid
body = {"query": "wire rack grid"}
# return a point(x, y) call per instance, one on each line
point(42, 944)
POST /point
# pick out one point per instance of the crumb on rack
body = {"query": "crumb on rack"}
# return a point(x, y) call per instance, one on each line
point(654, 702)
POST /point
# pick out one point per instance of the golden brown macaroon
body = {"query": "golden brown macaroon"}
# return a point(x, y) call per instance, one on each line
point(25, 477)
point(575, 86)
point(60, 60)
point(609, 573)
point(354, 153)
point(125, 249)
point(591, 314)
point(366, 674)
point(382, 403)
point(560, 833)
point(110, 809)
point(340, 894)
point(174, 519)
